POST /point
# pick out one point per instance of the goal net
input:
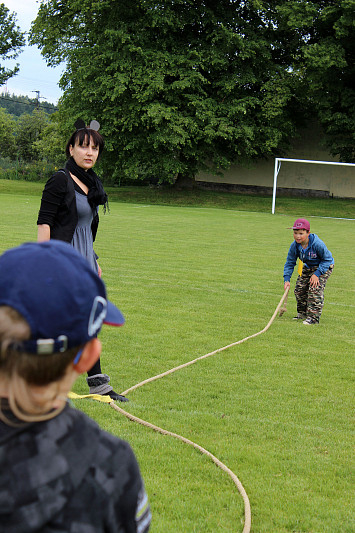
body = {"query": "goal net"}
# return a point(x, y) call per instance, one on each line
point(279, 160)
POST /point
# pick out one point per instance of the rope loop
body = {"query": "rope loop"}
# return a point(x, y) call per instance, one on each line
point(247, 511)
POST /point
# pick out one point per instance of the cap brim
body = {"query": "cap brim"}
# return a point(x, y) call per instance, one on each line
point(114, 317)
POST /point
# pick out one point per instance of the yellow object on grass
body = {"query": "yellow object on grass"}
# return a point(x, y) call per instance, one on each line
point(97, 397)
point(300, 267)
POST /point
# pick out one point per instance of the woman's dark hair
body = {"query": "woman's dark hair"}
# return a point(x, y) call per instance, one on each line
point(83, 137)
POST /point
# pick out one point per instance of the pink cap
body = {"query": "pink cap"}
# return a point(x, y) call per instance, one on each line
point(301, 223)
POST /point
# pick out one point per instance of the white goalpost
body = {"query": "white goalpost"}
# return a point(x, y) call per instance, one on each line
point(278, 161)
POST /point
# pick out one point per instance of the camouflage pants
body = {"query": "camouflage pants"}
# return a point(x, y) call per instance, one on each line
point(310, 300)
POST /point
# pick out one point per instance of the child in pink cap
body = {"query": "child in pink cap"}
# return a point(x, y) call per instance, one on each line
point(318, 264)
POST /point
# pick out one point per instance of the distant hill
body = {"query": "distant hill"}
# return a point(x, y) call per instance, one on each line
point(18, 105)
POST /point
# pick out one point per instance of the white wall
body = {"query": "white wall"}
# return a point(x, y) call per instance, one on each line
point(337, 181)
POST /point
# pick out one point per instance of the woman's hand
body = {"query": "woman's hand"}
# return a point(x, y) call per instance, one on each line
point(43, 232)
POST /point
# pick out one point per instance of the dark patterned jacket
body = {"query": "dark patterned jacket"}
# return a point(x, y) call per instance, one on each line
point(66, 475)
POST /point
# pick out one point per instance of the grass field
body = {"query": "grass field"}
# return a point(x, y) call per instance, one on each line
point(277, 410)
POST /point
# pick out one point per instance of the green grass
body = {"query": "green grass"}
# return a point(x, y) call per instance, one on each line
point(335, 207)
point(277, 409)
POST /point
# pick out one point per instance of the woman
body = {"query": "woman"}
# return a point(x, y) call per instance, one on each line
point(69, 212)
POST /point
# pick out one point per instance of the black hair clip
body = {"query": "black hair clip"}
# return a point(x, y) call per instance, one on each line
point(80, 125)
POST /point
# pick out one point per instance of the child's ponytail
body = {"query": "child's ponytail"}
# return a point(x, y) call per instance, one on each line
point(22, 373)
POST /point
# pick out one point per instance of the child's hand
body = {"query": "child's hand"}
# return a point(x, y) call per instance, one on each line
point(286, 285)
point(314, 281)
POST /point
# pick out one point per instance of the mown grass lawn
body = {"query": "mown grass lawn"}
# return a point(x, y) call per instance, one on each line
point(277, 409)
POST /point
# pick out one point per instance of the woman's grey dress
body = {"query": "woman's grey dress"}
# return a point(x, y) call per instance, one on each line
point(82, 239)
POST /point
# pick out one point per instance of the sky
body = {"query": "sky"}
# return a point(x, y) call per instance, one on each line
point(34, 75)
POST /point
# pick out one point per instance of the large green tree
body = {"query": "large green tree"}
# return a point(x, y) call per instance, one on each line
point(325, 62)
point(179, 85)
point(11, 42)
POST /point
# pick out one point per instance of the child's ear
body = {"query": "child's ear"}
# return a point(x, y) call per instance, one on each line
point(90, 354)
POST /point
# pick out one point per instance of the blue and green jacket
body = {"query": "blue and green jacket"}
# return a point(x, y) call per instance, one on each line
point(315, 255)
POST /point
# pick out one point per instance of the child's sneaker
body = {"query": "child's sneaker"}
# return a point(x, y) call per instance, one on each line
point(299, 316)
point(310, 321)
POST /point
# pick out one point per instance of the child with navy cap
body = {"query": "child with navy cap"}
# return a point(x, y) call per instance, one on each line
point(318, 264)
point(59, 470)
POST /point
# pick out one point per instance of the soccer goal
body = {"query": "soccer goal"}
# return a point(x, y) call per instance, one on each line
point(278, 161)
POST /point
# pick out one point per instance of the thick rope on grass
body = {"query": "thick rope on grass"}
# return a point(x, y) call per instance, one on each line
point(236, 481)
point(283, 309)
point(247, 510)
point(149, 380)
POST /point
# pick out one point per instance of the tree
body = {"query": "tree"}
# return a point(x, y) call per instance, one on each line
point(50, 144)
point(29, 130)
point(11, 42)
point(327, 64)
point(7, 135)
point(179, 86)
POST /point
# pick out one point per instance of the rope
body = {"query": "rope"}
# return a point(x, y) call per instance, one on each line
point(211, 353)
point(283, 309)
point(247, 510)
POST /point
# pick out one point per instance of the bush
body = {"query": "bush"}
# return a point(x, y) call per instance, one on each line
point(20, 170)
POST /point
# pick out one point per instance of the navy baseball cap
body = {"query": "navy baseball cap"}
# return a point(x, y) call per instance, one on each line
point(54, 288)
